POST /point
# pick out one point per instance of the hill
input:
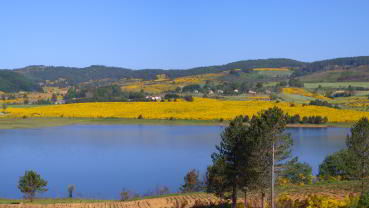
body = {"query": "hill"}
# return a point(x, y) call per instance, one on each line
point(74, 75)
point(332, 70)
point(332, 64)
point(13, 82)
point(339, 74)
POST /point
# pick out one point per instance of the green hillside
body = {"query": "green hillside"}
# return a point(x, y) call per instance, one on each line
point(332, 70)
point(13, 82)
point(96, 72)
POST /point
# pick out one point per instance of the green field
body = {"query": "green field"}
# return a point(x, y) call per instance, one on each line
point(336, 84)
point(15, 123)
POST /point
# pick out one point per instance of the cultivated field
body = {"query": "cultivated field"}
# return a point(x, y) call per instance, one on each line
point(164, 202)
point(199, 109)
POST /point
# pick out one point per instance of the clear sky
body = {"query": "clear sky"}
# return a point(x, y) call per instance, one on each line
point(178, 33)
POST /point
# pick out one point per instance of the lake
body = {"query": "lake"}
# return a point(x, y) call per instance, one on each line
point(101, 160)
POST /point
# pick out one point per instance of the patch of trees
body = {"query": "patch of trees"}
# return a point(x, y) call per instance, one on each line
point(111, 93)
point(331, 64)
point(11, 81)
point(351, 163)
point(171, 96)
point(322, 103)
point(43, 102)
point(297, 172)
point(295, 83)
point(192, 88)
point(297, 119)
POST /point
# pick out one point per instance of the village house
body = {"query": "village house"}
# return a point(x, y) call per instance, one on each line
point(251, 92)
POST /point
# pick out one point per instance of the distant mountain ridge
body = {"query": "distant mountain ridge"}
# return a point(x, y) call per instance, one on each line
point(75, 75)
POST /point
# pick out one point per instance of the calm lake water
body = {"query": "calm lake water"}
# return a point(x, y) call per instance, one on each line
point(101, 160)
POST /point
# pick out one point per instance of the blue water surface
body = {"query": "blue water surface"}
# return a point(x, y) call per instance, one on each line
point(101, 160)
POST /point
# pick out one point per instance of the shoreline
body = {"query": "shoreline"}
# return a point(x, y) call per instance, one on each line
point(20, 123)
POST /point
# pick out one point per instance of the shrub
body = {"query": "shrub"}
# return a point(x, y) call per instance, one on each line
point(363, 201)
point(71, 189)
point(31, 183)
point(188, 98)
point(337, 164)
point(297, 172)
point(192, 182)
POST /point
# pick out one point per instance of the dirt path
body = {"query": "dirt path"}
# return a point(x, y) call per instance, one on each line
point(164, 202)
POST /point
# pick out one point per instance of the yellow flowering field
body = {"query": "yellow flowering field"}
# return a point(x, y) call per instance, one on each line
point(303, 92)
point(199, 109)
point(162, 84)
point(18, 100)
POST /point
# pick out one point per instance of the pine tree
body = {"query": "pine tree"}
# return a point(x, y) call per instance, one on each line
point(230, 158)
point(273, 146)
point(358, 147)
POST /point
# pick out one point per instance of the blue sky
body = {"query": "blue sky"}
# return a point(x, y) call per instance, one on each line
point(178, 34)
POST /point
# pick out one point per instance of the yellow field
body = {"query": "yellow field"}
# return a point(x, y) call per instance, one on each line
point(200, 109)
point(303, 92)
point(162, 84)
point(271, 69)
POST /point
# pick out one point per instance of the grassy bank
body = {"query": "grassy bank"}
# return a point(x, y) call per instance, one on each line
point(15, 123)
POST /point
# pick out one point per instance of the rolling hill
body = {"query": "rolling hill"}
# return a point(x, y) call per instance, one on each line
point(11, 81)
point(332, 70)
point(76, 75)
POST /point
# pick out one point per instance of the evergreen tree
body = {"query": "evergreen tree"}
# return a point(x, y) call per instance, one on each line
point(31, 183)
point(273, 146)
point(358, 146)
point(226, 173)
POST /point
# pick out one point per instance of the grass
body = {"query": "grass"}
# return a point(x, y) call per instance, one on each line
point(322, 187)
point(50, 201)
point(336, 84)
point(15, 123)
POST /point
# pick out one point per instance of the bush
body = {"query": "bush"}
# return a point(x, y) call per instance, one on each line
point(171, 96)
point(337, 164)
point(31, 183)
point(363, 201)
point(322, 103)
point(192, 182)
point(188, 98)
point(297, 172)
point(140, 117)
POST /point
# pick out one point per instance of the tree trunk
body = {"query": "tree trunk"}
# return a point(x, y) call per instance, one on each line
point(262, 200)
point(362, 176)
point(234, 195)
point(245, 200)
point(272, 178)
